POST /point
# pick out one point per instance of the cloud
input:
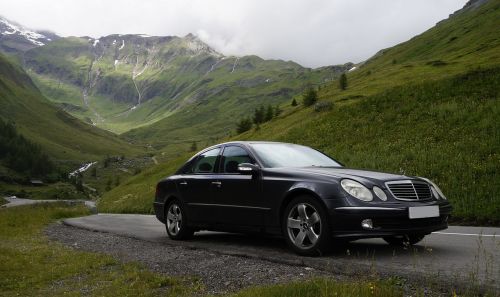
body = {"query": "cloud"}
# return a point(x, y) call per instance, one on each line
point(310, 32)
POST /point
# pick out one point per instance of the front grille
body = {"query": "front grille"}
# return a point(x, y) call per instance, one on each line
point(410, 190)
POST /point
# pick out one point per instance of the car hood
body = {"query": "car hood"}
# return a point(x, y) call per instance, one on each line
point(354, 173)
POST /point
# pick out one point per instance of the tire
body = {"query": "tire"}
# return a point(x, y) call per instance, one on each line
point(305, 226)
point(176, 221)
point(404, 240)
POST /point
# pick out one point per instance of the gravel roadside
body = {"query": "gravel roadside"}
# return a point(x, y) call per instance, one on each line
point(218, 273)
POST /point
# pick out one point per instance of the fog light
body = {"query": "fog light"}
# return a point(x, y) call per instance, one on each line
point(367, 224)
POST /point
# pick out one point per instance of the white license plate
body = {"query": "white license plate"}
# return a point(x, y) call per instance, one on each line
point(424, 212)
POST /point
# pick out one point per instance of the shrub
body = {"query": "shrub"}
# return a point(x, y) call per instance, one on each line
point(243, 125)
point(323, 106)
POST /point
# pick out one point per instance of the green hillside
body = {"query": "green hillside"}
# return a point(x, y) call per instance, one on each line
point(63, 137)
point(426, 107)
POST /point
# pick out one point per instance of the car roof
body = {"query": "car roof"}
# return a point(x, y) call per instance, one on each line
point(242, 142)
point(251, 141)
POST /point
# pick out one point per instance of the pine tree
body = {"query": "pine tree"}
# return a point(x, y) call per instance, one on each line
point(343, 82)
point(310, 97)
point(259, 114)
point(277, 110)
point(194, 146)
point(243, 125)
point(269, 113)
point(294, 102)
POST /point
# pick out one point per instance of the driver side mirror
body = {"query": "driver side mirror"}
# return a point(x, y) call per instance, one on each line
point(248, 168)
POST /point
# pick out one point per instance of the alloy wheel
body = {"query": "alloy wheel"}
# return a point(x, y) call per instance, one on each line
point(174, 219)
point(304, 225)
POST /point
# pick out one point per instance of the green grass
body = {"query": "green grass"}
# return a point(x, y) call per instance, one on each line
point(324, 287)
point(30, 265)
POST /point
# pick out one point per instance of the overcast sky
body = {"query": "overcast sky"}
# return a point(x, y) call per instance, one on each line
point(311, 32)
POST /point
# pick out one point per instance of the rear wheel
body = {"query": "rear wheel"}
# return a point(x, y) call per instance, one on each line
point(305, 226)
point(404, 240)
point(176, 221)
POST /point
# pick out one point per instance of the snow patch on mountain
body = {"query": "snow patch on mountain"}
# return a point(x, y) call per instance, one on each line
point(123, 45)
point(31, 36)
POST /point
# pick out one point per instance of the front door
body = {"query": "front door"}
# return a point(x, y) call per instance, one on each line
point(237, 196)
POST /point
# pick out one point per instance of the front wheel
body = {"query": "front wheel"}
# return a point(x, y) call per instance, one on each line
point(305, 226)
point(404, 240)
point(176, 222)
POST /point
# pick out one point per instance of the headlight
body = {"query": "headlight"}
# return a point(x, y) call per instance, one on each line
point(380, 193)
point(435, 193)
point(436, 188)
point(356, 190)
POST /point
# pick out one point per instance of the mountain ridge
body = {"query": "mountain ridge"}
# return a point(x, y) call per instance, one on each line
point(123, 82)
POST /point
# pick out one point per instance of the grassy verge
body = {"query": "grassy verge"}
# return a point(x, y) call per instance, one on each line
point(2, 201)
point(324, 287)
point(30, 265)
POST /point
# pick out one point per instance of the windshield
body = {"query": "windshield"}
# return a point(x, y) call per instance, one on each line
point(291, 155)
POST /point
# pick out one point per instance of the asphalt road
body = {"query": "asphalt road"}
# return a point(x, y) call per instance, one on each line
point(457, 255)
point(14, 201)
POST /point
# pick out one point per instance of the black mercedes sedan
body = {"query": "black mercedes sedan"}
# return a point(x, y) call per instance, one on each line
point(297, 192)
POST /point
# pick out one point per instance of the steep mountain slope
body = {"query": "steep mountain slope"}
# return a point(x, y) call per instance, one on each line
point(427, 107)
point(62, 136)
point(15, 39)
point(120, 82)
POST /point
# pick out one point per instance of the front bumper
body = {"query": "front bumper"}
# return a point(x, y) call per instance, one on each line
point(387, 221)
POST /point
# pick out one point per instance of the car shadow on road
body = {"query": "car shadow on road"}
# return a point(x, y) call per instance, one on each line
point(362, 249)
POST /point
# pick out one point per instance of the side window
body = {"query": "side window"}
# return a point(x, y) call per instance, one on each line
point(205, 163)
point(232, 157)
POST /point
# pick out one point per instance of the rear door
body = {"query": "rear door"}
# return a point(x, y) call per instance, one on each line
point(196, 184)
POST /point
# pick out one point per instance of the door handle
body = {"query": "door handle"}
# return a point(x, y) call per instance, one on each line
point(217, 183)
point(183, 183)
